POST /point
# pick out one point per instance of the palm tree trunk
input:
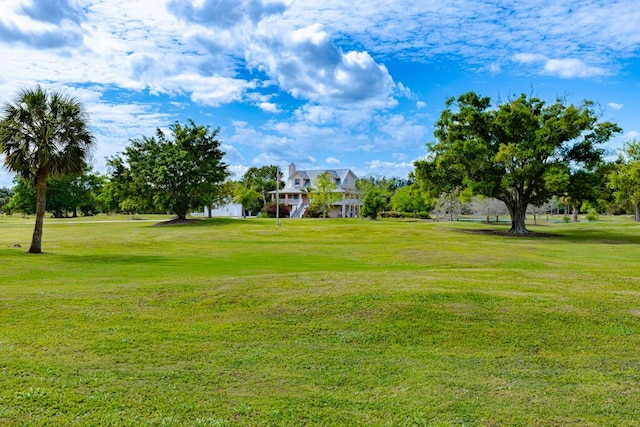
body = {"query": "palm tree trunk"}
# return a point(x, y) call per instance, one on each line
point(41, 204)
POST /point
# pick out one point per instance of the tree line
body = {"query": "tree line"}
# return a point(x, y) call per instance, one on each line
point(523, 153)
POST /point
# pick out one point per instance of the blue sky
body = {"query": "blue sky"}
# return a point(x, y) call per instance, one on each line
point(321, 83)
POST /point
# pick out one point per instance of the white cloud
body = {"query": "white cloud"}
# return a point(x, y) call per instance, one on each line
point(390, 169)
point(332, 161)
point(212, 91)
point(6, 179)
point(237, 171)
point(564, 68)
point(317, 114)
point(494, 68)
point(307, 64)
point(529, 58)
point(269, 107)
point(632, 134)
point(116, 124)
point(224, 13)
point(615, 105)
point(400, 132)
point(42, 23)
point(482, 31)
point(571, 67)
point(232, 155)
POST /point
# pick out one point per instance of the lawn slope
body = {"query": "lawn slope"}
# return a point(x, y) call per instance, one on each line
point(336, 322)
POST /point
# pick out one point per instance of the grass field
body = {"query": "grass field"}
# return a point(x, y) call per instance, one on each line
point(336, 322)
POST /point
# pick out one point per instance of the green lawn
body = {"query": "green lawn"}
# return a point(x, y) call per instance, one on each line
point(336, 322)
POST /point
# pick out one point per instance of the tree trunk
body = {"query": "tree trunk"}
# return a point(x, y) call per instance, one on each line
point(518, 215)
point(41, 204)
point(637, 208)
point(181, 209)
point(576, 210)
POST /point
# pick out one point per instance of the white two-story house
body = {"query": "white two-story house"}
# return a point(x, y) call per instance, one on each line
point(296, 192)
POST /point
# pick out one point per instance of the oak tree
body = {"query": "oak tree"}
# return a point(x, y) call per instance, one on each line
point(520, 152)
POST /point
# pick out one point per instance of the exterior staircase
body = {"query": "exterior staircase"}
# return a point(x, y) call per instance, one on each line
point(299, 210)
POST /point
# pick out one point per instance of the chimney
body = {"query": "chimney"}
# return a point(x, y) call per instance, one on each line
point(292, 169)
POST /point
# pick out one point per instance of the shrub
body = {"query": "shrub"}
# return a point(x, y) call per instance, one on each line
point(592, 215)
point(313, 211)
point(390, 214)
point(395, 214)
point(269, 210)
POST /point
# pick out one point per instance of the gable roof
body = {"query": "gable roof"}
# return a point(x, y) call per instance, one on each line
point(313, 174)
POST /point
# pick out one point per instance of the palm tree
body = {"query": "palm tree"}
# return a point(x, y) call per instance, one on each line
point(43, 135)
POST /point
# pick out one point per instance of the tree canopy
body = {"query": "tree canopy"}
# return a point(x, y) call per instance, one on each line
point(44, 135)
point(521, 152)
point(323, 193)
point(625, 178)
point(173, 173)
point(256, 181)
point(66, 195)
point(5, 197)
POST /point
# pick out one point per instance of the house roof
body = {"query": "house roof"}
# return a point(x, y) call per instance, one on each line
point(309, 176)
point(313, 174)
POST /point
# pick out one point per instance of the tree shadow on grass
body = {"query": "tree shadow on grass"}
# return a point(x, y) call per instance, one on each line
point(106, 259)
point(603, 236)
point(124, 259)
point(201, 222)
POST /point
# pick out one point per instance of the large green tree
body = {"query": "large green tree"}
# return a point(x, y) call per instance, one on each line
point(263, 180)
point(584, 186)
point(5, 196)
point(23, 198)
point(175, 173)
point(625, 178)
point(375, 193)
point(520, 152)
point(122, 192)
point(44, 135)
point(66, 195)
point(247, 196)
point(72, 193)
point(410, 198)
point(374, 201)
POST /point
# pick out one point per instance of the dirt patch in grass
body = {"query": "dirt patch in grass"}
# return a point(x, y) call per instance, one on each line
point(178, 221)
point(504, 233)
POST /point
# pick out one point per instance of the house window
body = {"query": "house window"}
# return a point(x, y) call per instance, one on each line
point(296, 181)
point(337, 181)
